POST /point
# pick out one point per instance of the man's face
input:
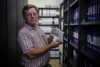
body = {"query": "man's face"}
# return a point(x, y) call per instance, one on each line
point(31, 16)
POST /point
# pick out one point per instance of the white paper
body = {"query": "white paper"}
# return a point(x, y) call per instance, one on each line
point(57, 33)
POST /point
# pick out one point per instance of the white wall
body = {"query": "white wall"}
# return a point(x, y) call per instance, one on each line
point(43, 3)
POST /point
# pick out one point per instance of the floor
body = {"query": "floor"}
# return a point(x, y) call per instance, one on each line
point(55, 63)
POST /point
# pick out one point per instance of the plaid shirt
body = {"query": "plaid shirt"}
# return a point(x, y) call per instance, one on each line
point(30, 38)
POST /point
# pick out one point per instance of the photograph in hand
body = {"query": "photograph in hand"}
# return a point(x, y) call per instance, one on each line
point(57, 34)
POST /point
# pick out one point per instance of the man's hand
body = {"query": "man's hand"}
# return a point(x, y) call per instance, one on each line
point(50, 38)
point(55, 43)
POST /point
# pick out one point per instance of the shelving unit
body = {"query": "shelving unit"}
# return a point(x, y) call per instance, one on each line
point(81, 46)
point(48, 19)
point(61, 28)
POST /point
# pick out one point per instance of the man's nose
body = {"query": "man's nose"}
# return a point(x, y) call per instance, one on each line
point(32, 15)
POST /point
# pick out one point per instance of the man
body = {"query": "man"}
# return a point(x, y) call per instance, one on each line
point(34, 43)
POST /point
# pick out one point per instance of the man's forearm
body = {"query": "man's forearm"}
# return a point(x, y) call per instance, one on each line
point(38, 51)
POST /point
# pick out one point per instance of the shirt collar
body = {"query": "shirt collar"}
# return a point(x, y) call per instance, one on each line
point(30, 27)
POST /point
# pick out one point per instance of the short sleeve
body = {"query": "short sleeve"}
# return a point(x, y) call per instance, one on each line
point(25, 42)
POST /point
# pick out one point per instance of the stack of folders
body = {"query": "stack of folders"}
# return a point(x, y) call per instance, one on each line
point(93, 13)
point(76, 14)
point(93, 41)
point(75, 36)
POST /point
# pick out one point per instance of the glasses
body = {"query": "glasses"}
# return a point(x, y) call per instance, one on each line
point(31, 14)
